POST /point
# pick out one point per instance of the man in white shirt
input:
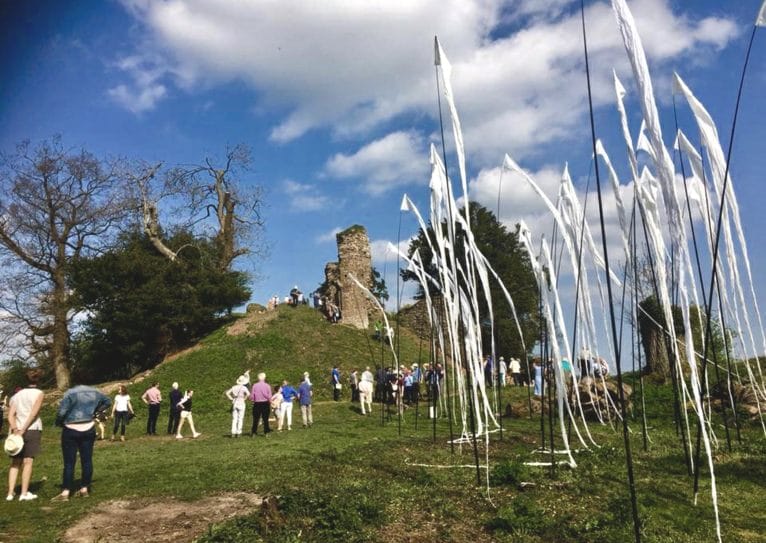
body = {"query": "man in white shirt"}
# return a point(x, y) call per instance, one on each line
point(24, 421)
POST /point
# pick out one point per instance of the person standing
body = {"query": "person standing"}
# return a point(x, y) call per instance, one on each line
point(538, 368)
point(237, 396)
point(260, 395)
point(584, 361)
point(174, 416)
point(286, 409)
point(122, 410)
point(304, 396)
point(186, 415)
point(24, 421)
point(354, 382)
point(516, 371)
point(3, 405)
point(75, 415)
point(335, 381)
point(488, 372)
point(152, 397)
point(502, 370)
point(417, 377)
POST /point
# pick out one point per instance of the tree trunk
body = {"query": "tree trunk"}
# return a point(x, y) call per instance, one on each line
point(60, 343)
point(655, 348)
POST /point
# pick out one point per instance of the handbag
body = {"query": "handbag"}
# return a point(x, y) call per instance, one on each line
point(338, 386)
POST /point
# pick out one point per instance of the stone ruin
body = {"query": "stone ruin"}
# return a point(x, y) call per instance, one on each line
point(354, 257)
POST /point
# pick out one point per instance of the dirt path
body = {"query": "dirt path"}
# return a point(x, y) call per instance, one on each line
point(158, 520)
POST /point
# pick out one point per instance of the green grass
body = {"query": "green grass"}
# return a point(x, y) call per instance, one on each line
point(351, 478)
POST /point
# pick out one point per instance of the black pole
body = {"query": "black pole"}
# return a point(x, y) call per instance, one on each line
point(626, 436)
point(699, 272)
point(709, 304)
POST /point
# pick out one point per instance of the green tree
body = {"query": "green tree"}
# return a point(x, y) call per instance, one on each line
point(140, 306)
point(511, 262)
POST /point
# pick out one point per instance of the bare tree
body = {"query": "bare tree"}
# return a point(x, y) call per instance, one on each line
point(55, 205)
point(223, 205)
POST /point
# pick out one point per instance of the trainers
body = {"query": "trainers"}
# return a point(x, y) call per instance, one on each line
point(60, 498)
point(197, 434)
point(27, 497)
point(9, 498)
point(179, 437)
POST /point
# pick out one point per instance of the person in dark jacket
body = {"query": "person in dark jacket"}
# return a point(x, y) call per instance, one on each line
point(174, 416)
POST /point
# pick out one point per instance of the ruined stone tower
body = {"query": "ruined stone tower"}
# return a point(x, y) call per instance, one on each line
point(353, 257)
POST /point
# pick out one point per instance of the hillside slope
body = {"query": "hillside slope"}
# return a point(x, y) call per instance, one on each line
point(283, 344)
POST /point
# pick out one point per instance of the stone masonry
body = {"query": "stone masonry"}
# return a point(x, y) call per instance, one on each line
point(353, 257)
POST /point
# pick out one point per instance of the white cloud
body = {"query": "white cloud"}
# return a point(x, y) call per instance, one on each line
point(380, 252)
point(146, 90)
point(396, 159)
point(330, 236)
point(305, 197)
point(350, 66)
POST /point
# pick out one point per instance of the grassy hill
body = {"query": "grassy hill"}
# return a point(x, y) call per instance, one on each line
point(377, 478)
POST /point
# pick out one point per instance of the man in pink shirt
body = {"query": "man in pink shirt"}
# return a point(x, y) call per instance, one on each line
point(260, 395)
point(152, 397)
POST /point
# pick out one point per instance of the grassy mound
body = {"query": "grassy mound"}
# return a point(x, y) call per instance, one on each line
point(378, 478)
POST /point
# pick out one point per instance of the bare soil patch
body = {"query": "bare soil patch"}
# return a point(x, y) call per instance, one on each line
point(251, 322)
point(158, 520)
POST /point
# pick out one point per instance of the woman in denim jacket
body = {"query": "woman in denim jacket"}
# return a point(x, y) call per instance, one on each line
point(75, 415)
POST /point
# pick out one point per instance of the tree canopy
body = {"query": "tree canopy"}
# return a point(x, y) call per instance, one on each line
point(140, 306)
point(511, 262)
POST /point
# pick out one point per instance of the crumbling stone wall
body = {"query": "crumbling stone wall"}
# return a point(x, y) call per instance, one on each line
point(354, 257)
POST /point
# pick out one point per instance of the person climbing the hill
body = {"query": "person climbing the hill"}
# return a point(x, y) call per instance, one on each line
point(186, 415)
point(122, 412)
point(24, 422)
point(237, 396)
point(174, 416)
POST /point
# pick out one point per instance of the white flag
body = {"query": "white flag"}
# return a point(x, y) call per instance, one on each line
point(761, 19)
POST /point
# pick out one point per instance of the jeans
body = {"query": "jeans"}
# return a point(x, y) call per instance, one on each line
point(120, 420)
point(73, 442)
point(261, 412)
point(151, 422)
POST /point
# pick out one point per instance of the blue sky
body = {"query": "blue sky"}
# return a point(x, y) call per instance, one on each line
point(338, 102)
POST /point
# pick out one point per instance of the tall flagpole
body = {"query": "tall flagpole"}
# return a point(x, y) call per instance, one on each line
point(760, 21)
point(625, 434)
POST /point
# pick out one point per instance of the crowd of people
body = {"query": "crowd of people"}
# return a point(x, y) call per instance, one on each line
point(84, 410)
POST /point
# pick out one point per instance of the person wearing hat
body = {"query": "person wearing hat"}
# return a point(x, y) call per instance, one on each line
point(237, 396)
point(24, 423)
point(174, 417)
point(502, 369)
